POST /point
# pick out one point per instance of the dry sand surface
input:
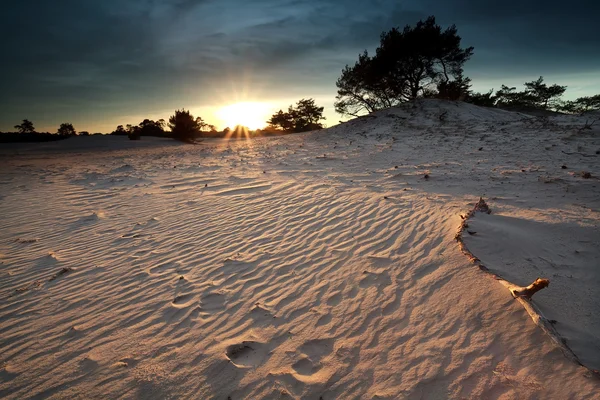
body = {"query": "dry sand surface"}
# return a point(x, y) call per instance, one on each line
point(308, 266)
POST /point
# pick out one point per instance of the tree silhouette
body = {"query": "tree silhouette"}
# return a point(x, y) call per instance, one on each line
point(407, 63)
point(282, 120)
point(149, 127)
point(66, 129)
point(457, 89)
point(542, 95)
point(536, 95)
point(581, 105)
point(25, 127)
point(184, 126)
point(306, 116)
point(482, 99)
point(120, 131)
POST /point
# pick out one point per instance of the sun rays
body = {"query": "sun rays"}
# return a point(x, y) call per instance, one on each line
point(252, 115)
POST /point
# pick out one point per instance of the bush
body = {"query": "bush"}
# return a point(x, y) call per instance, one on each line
point(184, 126)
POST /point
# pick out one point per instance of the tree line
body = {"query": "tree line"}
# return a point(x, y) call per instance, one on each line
point(26, 132)
point(183, 126)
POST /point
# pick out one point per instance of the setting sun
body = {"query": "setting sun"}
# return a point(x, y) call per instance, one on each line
point(250, 114)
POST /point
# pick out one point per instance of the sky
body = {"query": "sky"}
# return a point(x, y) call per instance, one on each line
point(98, 64)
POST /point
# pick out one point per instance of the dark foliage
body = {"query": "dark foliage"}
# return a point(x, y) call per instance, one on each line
point(482, 99)
point(407, 64)
point(18, 137)
point(66, 129)
point(581, 105)
point(25, 127)
point(26, 133)
point(120, 131)
point(537, 95)
point(185, 127)
point(457, 89)
point(305, 116)
point(149, 127)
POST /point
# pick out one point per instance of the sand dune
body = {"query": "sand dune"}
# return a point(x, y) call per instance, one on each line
point(318, 265)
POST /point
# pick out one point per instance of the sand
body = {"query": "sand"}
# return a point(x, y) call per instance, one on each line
point(317, 265)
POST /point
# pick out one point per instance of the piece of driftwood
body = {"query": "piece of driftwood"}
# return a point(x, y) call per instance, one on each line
point(530, 290)
point(521, 294)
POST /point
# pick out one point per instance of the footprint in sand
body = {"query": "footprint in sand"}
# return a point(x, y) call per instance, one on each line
point(7, 373)
point(379, 279)
point(182, 301)
point(313, 351)
point(246, 354)
point(213, 302)
point(316, 349)
point(261, 314)
point(88, 364)
point(306, 367)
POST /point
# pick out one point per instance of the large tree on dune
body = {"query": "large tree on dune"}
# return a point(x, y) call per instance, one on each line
point(407, 63)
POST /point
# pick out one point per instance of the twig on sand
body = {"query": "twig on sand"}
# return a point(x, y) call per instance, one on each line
point(521, 294)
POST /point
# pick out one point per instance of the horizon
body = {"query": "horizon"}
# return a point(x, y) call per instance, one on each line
point(117, 65)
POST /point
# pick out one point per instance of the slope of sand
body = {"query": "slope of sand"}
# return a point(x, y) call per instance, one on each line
point(318, 265)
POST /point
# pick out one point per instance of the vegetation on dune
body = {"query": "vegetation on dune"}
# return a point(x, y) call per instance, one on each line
point(66, 129)
point(305, 116)
point(26, 133)
point(408, 64)
point(25, 127)
point(536, 96)
point(184, 126)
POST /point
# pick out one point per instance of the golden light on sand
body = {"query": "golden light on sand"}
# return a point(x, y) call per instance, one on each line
point(250, 114)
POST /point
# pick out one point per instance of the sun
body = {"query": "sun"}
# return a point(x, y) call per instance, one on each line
point(250, 114)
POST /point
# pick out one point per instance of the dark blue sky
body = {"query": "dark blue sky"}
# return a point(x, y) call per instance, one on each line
point(102, 63)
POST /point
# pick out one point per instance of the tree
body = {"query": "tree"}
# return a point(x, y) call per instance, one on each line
point(184, 126)
point(457, 89)
point(149, 127)
point(306, 116)
point(581, 105)
point(119, 131)
point(542, 95)
point(361, 88)
point(282, 120)
point(407, 63)
point(536, 95)
point(66, 129)
point(25, 127)
point(482, 99)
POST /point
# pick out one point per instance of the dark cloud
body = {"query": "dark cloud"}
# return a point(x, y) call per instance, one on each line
point(75, 58)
